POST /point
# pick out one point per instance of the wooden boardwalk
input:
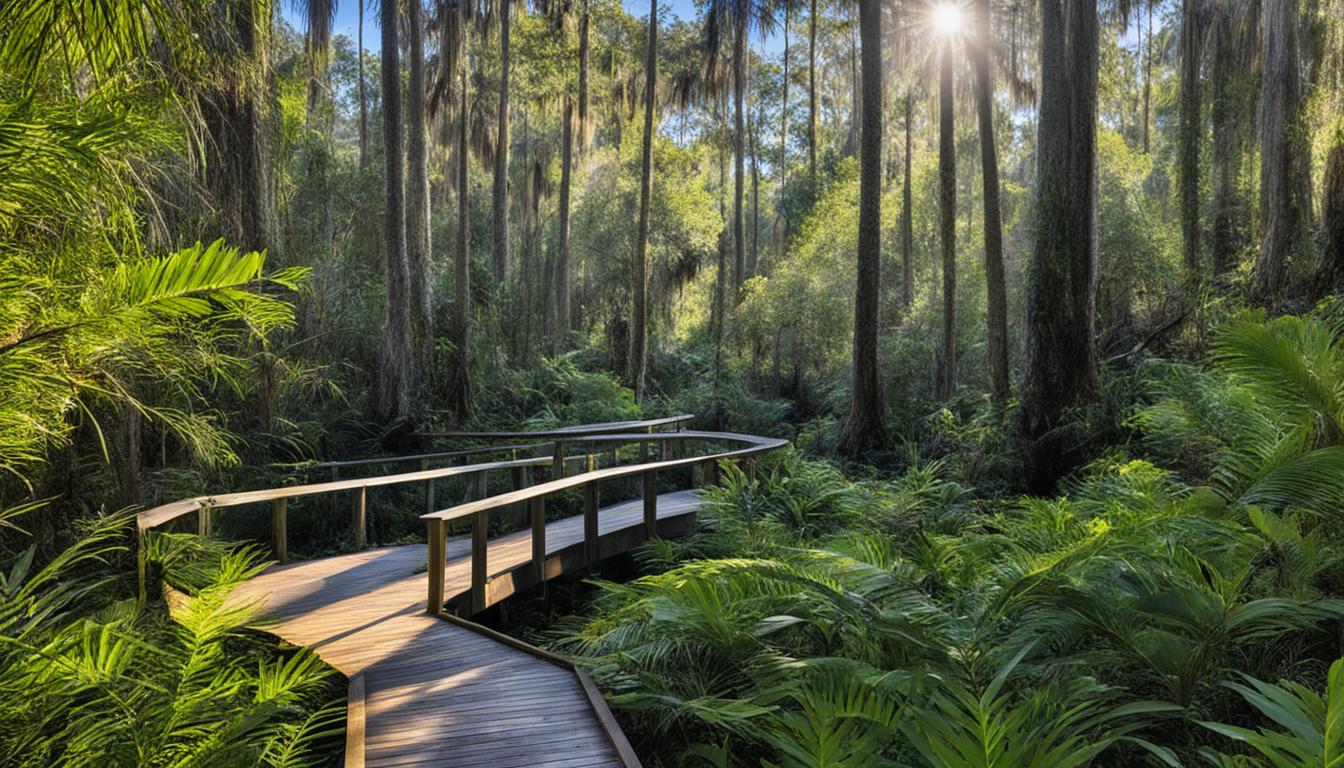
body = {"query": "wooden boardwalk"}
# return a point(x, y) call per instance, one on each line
point(428, 691)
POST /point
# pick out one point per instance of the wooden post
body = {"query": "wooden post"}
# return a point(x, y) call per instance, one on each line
point(436, 564)
point(140, 565)
point(538, 505)
point(662, 450)
point(558, 460)
point(279, 532)
point(518, 476)
point(591, 464)
point(650, 504)
point(590, 531)
point(480, 524)
point(359, 515)
point(712, 472)
point(203, 521)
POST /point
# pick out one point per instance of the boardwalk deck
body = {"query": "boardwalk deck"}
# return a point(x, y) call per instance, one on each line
point(435, 692)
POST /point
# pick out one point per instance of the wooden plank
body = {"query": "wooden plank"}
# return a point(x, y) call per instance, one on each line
point(435, 565)
point(539, 538)
point(359, 513)
point(354, 723)
point(279, 529)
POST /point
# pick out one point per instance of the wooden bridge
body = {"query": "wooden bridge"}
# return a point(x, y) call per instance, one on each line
point(427, 686)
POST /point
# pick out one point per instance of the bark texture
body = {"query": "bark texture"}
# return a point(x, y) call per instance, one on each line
point(864, 429)
point(639, 331)
point(1190, 133)
point(418, 254)
point(947, 220)
point(996, 306)
point(1061, 359)
point(907, 217)
point(395, 370)
point(500, 194)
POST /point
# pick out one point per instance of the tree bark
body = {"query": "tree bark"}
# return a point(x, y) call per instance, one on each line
point(418, 254)
point(1061, 364)
point(784, 109)
point(1191, 131)
point(563, 259)
point(462, 256)
point(947, 211)
point(1285, 195)
point(1229, 110)
point(500, 197)
point(1332, 218)
point(1148, 77)
point(363, 99)
point(739, 146)
point(907, 217)
point(996, 305)
point(812, 97)
point(864, 430)
point(395, 369)
point(639, 332)
point(754, 253)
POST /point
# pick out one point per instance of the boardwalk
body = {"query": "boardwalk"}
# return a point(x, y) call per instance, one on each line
point(432, 692)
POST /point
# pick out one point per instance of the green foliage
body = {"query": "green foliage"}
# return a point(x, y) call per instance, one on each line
point(1307, 724)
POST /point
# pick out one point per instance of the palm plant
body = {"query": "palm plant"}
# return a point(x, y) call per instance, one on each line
point(1307, 724)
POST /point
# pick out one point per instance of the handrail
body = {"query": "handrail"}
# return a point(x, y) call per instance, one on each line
point(609, 427)
point(422, 456)
point(535, 499)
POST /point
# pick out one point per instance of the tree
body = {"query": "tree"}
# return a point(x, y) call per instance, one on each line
point(907, 218)
point(1285, 194)
point(1190, 134)
point(1061, 365)
point(562, 264)
point(363, 98)
point(1332, 217)
point(947, 209)
point(864, 430)
point(418, 254)
point(500, 194)
point(395, 369)
point(812, 96)
point(639, 329)
point(996, 304)
point(317, 46)
point(1231, 50)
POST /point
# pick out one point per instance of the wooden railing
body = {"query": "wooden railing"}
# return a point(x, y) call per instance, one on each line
point(487, 589)
point(675, 423)
point(203, 507)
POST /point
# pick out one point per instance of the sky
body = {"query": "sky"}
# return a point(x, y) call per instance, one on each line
point(347, 19)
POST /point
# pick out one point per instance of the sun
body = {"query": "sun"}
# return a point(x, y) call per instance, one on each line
point(947, 18)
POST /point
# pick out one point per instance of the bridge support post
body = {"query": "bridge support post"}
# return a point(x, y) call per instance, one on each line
point(279, 530)
point(479, 529)
point(557, 460)
point(203, 521)
point(436, 564)
point(650, 483)
point(539, 538)
point(359, 516)
point(590, 531)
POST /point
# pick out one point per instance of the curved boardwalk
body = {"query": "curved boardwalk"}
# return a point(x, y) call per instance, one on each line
point(434, 692)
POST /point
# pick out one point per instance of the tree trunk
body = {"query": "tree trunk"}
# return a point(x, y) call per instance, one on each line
point(395, 369)
point(1191, 131)
point(1285, 197)
point(864, 430)
point(784, 109)
point(754, 253)
point(639, 333)
point(562, 278)
point(1229, 110)
point(739, 149)
point(1061, 364)
point(812, 97)
point(1332, 218)
point(907, 218)
point(996, 305)
point(363, 99)
point(947, 210)
point(500, 198)
point(1148, 76)
point(462, 256)
point(418, 258)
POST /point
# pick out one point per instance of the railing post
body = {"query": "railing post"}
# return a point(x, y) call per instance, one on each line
point(519, 479)
point(479, 528)
point(650, 504)
point(279, 532)
point(436, 564)
point(359, 514)
point(712, 472)
point(538, 505)
point(590, 531)
point(558, 460)
point(662, 450)
point(591, 464)
point(203, 520)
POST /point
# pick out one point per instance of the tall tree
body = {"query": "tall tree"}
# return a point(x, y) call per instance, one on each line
point(395, 370)
point(418, 258)
point(812, 96)
point(1148, 76)
point(456, 60)
point(317, 46)
point(1332, 217)
point(363, 98)
point(1061, 364)
point(784, 106)
point(996, 304)
point(500, 194)
point(562, 266)
point(1190, 134)
point(639, 331)
point(1231, 51)
point(907, 217)
point(1285, 176)
point(864, 429)
point(947, 207)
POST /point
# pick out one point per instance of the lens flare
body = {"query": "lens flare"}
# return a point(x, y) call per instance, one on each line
point(947, 19)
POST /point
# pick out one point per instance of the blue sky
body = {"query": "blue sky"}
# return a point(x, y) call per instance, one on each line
point(347, 18)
